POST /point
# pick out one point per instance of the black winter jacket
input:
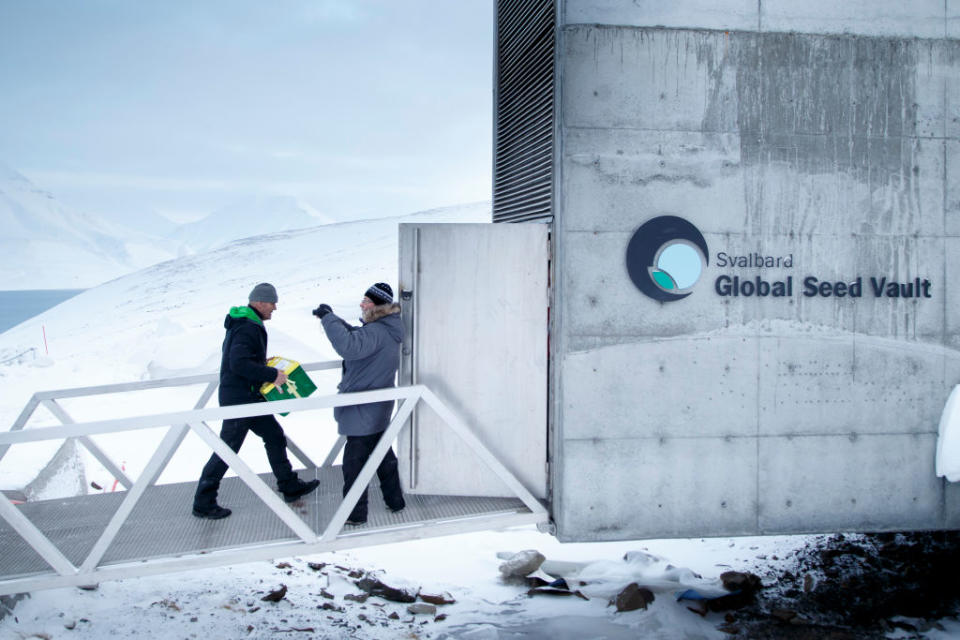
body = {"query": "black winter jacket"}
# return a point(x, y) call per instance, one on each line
point(243, 365)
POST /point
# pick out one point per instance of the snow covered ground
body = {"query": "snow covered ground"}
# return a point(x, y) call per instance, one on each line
point(223, 603)
point(166, 320)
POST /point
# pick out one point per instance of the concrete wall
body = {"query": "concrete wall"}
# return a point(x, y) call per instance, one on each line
point(830, 134)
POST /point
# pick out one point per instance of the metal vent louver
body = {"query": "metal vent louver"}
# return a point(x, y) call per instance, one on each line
point(523, 156)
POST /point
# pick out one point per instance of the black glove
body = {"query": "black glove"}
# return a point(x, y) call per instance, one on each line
point(322, 310)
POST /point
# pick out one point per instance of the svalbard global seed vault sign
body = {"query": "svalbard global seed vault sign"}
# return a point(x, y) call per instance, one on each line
point(667, 256)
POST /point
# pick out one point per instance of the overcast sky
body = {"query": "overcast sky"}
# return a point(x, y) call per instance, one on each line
point(361, 107)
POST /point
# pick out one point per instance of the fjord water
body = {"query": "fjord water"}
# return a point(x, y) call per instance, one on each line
point(17, 306)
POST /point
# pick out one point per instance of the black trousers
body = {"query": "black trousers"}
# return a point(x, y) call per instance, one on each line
point(233, 433)
point(355, 455)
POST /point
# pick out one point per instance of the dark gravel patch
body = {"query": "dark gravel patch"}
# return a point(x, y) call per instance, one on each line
point(856, 587)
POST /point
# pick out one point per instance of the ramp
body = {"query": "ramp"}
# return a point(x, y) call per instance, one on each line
point(73, 525)
point(149, 528)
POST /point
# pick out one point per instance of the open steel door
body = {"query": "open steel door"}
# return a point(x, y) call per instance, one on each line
point(475, 311)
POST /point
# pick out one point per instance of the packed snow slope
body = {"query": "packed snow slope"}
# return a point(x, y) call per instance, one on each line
point(167, 320)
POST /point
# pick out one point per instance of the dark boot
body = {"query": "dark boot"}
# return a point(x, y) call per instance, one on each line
point(303, 489)
point(216, 512)
point(205, 499)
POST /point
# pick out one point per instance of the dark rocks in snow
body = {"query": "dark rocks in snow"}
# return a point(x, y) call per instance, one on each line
point(361, 597)
point(784, 615)
point(444, 598)
point(374, 587)
point(277, 595)
point(422, 608)
point(633, 597)
point(743, 589)
point(738, 581)
point(553, 591)
point(914, 625)
point(317, 566)
point(559, 587)
point(535, 581)
point(859, 588)
point(7, 603)
point(167, 603)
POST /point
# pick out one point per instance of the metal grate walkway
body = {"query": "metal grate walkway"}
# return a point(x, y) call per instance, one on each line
point(161, 525)
point(149, 528)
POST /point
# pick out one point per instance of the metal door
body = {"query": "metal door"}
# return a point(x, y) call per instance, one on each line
point(475, 311)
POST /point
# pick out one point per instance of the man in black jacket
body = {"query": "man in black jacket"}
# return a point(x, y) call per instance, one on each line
point(243, 370)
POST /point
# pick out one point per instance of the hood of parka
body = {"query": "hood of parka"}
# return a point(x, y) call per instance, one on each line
point(241, 313)
point(389, 316)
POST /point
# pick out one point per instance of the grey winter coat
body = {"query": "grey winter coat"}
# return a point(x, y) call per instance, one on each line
point(371, 356)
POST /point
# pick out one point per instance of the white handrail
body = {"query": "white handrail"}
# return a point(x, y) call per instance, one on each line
point(160, 383)
point(48, 399)
point(137, 423)
point(178, 422)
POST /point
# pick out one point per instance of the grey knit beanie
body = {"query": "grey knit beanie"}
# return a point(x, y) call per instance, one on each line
point(263, 292)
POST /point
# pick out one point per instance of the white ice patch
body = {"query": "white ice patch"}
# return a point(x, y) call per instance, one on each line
point(607, 578)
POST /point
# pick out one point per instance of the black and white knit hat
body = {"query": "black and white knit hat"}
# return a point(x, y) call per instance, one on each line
point(380, 293)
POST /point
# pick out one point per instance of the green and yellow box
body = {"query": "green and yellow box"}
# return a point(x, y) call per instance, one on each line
point(298, 385)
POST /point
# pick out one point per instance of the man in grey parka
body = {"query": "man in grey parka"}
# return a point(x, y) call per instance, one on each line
point(371, 356)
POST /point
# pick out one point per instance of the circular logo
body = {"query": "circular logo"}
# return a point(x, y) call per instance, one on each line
point(666, 257)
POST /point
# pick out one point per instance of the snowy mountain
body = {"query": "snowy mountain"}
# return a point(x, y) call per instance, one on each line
point(146, 222)
point(76, 251)
point(246, 217)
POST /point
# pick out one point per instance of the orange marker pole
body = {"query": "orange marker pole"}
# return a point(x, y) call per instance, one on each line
point(123, 467)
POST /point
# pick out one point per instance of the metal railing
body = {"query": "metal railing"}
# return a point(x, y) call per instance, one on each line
point(178, 424)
